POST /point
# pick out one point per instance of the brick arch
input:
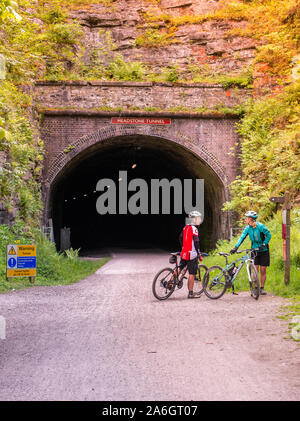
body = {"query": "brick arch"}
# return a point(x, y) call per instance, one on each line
point(83, 143)
point(64, 160)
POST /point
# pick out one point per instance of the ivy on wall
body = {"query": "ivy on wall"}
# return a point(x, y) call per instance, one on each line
point(20, 143)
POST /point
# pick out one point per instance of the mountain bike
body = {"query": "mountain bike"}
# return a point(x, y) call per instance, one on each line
point(218, 279)
point(167, 279)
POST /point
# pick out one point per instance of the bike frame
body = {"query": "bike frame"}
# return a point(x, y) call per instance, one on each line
point(244, 259)
point(184, 270)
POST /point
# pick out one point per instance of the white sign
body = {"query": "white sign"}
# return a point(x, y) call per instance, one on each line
point(284, 216)
point(2, 327)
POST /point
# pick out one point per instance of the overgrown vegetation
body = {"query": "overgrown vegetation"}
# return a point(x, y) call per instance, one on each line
point(23, 149)
point(270, 152)
point(153, 37)
point(275, 273)
point(28, 53)
point(275, 25)
point(52, 268)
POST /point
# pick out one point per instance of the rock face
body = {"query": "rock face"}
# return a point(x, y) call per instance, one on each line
point(209, 43)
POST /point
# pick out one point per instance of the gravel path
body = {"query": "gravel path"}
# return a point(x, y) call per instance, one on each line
point(107, 338)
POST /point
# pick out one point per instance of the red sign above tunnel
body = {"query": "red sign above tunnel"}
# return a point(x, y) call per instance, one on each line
point(132, 120)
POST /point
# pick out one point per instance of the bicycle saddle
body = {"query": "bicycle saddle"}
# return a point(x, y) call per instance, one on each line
point(223, 254)
point(175, 253)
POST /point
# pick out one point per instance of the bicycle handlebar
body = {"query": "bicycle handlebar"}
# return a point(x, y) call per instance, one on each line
point(241, 251)
point(246, 250)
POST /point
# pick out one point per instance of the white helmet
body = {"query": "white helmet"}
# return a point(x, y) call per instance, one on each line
point(195, 217)
point(251, 214)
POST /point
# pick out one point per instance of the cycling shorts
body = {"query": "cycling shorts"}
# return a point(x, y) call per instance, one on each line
point(262, 258)
point(192, 265)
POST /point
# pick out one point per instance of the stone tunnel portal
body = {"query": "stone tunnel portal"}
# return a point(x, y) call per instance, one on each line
point(73, 195)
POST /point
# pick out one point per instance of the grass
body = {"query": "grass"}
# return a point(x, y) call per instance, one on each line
point(275, 272)
point(52, 268)
point(70, 272)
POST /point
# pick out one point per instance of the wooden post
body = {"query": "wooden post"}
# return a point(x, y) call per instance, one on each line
point(286, 202)
point(287, 207)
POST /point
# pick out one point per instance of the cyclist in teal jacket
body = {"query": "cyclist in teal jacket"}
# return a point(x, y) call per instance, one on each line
point(260, 237)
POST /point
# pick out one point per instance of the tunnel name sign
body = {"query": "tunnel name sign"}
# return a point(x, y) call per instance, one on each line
point(128, 120)
point(21, 260)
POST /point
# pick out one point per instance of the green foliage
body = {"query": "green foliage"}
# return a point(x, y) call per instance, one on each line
point(52, 268)
point(61, 44)
point(72, 254)
point(195, 73)
point(270, 152)
point(118, 69)
point(243, 80)
point(172, 74)
point(69, 148)
point(54, 16)
point(275, 273)
point(20, 174)
point(276, 27)
point(153, 37)
point(61, 34)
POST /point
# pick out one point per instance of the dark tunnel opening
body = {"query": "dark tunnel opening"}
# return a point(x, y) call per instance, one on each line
point(74, 196)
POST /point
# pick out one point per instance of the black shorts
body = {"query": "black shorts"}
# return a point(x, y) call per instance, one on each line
point(262, 258)
point(192, 265)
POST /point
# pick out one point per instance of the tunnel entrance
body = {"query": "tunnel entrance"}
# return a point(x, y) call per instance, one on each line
point(74, 196)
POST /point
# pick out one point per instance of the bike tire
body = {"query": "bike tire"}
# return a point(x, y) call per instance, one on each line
point(253, 281)
point(199, 279)
point(160, 288)
point(215, 282)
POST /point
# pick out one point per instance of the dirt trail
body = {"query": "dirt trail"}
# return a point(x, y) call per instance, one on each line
point(108, 338)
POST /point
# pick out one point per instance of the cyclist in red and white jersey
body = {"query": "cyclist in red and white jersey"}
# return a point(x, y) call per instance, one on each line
point(189, 239)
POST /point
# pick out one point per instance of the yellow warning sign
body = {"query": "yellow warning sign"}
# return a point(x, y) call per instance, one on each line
point(27, 250)
point(21, 272)
point(21, 260)
point(12, 251)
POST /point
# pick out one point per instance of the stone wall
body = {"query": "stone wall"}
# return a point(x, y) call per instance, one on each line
point(135, 95)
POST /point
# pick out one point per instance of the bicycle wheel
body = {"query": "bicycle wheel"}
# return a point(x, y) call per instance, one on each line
point(163, 284)
point(253, 281)
point(198, 284)
point(214, 284)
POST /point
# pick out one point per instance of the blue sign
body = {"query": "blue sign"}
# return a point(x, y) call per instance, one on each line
point(12, 262)
point(26, 262)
